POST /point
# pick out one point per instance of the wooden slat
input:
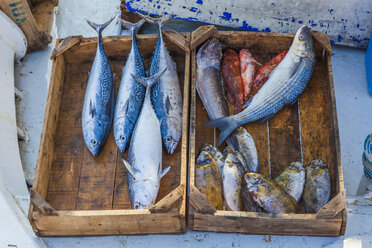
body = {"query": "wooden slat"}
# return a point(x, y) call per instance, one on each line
point(201, 34)
point(43, 14)
point(165, 204)
point(333, 207)
point(199, 202)
point(111, 224)
point(268, 226)
point(285, 145)
point(97, 178)
point(316, 123)
point(41, 204)
point(65, 45)
point(177, 39)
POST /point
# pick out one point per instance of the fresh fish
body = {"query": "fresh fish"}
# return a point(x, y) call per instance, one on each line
point(215, 153)
point(268, 195)
point(236, 157)
point(208, 179)
point(248, 202)
point(232, 180)
point(99, 97)
point(286, 83)
point(248, 69)
point(243, 142)
point(131, 93)
point(264, 73)
point(292, 180)
point(317, 190)
point(166, 94)
point(232, 79)
point(145, 152)
point(208, 79)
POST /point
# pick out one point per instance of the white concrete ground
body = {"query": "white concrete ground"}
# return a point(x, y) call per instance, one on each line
point(355, 122)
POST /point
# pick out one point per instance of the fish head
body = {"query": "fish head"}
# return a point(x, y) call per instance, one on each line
point(121, 134)
point(94, 136)
point(204, 158)
point(171, 133)
point(144, 193)
point(211, 53)
point(253, 179)
point(297, 166)
point(303, 43)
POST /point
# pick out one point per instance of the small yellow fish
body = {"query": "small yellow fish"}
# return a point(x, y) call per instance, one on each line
point(269, 195)
point(317, 190)
point(208, 179)
point(292, 180)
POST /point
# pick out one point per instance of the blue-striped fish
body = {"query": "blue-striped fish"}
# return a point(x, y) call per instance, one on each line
point(99, 98)
point(287, 81)
point(166, 94)
point(131, 93)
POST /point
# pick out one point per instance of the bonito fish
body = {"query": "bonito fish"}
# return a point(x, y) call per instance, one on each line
point(286, 83)
point(145, 152)
point(232, 79)
point(248, 69)
point(131, 93)
point(268, 195)
point(317, 190)
point(99, 97)
point(264, 73)
point(166, 94)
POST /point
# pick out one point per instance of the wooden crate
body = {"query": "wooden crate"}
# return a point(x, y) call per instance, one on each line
point(75, 194)
point(34, 17)
point(306, 130)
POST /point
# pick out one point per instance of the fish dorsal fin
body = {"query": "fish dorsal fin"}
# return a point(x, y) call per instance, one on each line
point(164, 172)
point(168, 105)
point(129, 169)
point(92, 109)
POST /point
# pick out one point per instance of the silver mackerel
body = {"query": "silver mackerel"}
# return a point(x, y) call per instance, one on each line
point(166, 94)
point(287, 81)
point(145, 153)
point(99, 98)
point(131, 93)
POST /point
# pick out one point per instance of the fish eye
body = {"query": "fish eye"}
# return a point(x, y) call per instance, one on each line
point(301, 37)
point(136, 206)
point(168, 139)
point(122, 137)
point(93, 142)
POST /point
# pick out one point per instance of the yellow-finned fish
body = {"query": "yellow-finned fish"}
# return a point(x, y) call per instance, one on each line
point(208, 179)
point(292, 180)
point(268, 195)
point(317, 190)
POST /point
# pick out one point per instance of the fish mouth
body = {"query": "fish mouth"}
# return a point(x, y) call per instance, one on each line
point(172, 147)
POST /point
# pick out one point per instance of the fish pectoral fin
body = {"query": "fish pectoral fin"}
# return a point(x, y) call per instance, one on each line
point(129, 168)
point(126, 106)
point(247, 103)
point(165, 171)
point(168, 105)
point(266, 118)
point(92, 109)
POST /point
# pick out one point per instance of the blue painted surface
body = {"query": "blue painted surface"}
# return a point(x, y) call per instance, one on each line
point(369, 66)
point(344, 26)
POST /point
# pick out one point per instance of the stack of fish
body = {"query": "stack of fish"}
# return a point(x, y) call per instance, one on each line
point(233, 178)
point(227, 184)
point(148, 111)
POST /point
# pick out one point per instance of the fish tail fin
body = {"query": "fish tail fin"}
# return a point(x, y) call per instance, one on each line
point(148, 81)
point(226, 125)
point(133, 27)
point(100, 27)
point(159, 21)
